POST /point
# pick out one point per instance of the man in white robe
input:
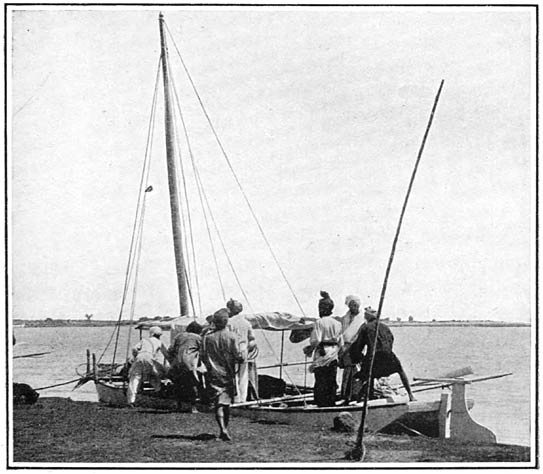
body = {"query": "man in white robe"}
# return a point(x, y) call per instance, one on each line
point(240, 326)
point(350, 324)
point(145, 365)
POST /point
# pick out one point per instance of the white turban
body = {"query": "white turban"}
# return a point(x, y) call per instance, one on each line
point(354, 298)
point(155, 331)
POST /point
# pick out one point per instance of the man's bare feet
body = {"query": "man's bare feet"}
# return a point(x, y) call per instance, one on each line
point(225, 436)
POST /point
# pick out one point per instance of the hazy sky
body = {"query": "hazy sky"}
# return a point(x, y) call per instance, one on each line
point(322, 112)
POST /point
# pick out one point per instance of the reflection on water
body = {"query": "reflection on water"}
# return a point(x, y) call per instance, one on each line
point(424, 351)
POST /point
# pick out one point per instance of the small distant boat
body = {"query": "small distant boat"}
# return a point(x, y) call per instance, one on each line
point(19, 325)
point(446, 416)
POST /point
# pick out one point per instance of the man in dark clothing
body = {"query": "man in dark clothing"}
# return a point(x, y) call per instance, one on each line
point(185, 358)
point(220, 353)
point(385, 362)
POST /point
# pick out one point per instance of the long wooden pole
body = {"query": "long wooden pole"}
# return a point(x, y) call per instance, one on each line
point(281, 356)
point(357, 452)
point(172, 176)
point(287, 364)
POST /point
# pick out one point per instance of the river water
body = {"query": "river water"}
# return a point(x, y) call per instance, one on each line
point(503, 405)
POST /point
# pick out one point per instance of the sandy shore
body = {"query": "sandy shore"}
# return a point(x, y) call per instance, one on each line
point(61, 430)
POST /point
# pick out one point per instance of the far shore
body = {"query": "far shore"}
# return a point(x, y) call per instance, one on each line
point(43, 323)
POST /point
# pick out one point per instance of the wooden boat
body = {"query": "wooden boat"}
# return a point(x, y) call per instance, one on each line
point(446, 416)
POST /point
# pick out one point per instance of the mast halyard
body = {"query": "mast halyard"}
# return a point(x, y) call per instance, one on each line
point(172, 175)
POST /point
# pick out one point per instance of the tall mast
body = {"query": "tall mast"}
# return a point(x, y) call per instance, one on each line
point(172, 175)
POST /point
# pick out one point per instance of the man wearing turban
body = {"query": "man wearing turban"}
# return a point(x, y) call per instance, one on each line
point(350, 324)
point(242, 328)
point(220, 353)
point(325, 342)
point(184, 371)
point(144, 364)
point(385, 362)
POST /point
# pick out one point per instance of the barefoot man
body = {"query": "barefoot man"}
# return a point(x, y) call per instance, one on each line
point(220, 354)
point(385, 363)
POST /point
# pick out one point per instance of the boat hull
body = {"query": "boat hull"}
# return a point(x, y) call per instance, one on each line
point(380, 413)
point(114, 394)
point(383, 415)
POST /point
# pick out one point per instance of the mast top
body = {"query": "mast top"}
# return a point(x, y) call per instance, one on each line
point(161, 16)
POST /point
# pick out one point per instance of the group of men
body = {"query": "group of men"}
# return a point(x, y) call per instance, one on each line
point(207, 362)
point(347, 342)
point(213, 362)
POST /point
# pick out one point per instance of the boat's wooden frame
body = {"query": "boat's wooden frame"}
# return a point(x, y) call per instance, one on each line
point(113, 393)
point(431, 418)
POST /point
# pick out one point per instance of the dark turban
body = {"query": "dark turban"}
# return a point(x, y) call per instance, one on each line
point(220, 318)
point(194, 328)
point(234, 307)
point(326, 305)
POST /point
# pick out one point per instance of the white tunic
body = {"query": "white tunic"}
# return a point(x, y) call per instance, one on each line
point(326, 329)
point(350, 326)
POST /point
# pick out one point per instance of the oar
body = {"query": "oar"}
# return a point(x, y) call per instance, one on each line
point(285, 365)
point(36, 354)
point(267, 401)
point(449, 375)
point(478, 379)
point(490, 377)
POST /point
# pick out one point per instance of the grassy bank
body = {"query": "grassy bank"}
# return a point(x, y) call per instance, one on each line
point(60, 430)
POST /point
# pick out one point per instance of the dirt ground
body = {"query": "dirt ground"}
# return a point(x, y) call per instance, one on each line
point(61, 430)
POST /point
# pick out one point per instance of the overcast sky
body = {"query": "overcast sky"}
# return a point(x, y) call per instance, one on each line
point(322, 112)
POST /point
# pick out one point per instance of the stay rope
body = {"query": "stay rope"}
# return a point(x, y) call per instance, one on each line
point(189, 146)
point(137, 218)
point(187, 201)
point(202, 192)
point(227, 159)
point(136, 275)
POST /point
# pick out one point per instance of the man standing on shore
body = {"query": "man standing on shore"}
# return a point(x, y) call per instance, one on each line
point(220, 353)
point(242, 328)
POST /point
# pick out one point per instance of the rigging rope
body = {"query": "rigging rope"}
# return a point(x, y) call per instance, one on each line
point(197, 283)
point(135, 266)
point(184, 241)
point(58, 384)
point(142, 187)
point(202, 192)
point(253, 214)
point(134, 286)
point(190, 293)
point(189, 146)
point(227, 255)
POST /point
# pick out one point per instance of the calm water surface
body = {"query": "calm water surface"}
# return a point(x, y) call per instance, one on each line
point(424, 351)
